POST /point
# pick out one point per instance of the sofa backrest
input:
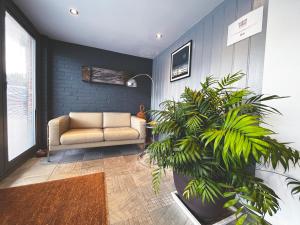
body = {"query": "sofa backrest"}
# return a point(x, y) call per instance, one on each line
point(82, 120)
point(113, 119)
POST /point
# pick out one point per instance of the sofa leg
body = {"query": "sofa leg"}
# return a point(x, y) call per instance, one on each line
point(48, 144)
point(142, 147)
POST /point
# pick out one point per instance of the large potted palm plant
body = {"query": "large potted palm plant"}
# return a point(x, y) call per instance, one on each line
point(213, 138)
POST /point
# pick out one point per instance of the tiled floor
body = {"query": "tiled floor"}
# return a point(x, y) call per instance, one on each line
point(131, 200)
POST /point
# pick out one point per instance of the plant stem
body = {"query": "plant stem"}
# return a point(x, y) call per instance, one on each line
point(268, 171)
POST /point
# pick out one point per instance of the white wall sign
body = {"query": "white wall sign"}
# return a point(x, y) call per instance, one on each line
point(246, 26)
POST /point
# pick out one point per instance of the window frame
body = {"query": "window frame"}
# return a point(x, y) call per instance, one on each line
point(33, 88)
point(8, 166)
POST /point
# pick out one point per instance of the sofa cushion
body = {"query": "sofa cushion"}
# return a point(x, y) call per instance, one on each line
point(120, 133)
point(80, 136)
point(111, 119)
point(79, 120)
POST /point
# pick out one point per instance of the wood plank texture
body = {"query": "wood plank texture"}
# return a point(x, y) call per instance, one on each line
point(210, 55)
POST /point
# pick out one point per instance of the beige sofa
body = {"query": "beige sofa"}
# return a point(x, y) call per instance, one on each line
point(95, 129)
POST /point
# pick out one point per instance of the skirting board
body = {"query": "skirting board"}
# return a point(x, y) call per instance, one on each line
point(193, 218)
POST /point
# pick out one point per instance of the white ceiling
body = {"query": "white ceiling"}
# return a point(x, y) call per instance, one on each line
point(125, 26)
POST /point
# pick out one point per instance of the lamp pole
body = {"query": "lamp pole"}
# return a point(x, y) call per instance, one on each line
point(146, 75)
point(132, 82)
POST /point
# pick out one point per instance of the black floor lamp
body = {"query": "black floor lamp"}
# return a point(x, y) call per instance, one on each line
point(133, 83)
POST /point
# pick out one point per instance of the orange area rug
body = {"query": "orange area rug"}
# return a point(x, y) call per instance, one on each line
point(73, 201)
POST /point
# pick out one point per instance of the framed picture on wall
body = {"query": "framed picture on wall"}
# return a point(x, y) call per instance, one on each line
point(181, 62)
point(96, 74)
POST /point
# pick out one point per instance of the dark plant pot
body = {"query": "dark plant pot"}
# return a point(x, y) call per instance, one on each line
point(207, 213)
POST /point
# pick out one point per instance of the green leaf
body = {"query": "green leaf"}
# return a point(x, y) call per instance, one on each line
point(156, 178)
point(204, 188)
point(293, 182)
point(241, 220)
point(229, 194)
point(239, 210)
point(230, 203)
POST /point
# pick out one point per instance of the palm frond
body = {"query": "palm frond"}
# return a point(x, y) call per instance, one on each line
point(187, 150)
point(229, 79)
point(204, 167)
point(204, 188)
point(280, 154)
point(239, 136)
point(209, 81)
point(254, 197)
point(194, 122)
point(156, 179)
point(256, 103)
point(295, 184)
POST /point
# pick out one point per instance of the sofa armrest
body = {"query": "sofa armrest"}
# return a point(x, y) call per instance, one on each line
point(56, 127)
point(140, 125)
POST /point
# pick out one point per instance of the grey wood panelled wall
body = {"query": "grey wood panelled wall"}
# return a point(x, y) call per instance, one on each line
point(210, 54)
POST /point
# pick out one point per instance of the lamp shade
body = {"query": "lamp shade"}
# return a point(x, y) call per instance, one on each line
point(131, 83)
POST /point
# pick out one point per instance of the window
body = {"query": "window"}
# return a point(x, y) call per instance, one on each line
point(20, 77)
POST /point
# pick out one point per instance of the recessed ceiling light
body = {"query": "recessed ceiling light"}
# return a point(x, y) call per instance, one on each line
point(74, 12)
point(158, 36)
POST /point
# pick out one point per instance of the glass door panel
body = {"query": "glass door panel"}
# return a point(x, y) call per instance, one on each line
point(20, 91)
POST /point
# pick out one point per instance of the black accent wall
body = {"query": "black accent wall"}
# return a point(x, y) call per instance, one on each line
point(69, 93)
point(63, 90)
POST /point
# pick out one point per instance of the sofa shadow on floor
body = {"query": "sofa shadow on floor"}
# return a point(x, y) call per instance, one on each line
point(71, 156)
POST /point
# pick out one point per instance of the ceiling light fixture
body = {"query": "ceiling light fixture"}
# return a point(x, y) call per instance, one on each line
point(158, 36)
point(74, 12)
